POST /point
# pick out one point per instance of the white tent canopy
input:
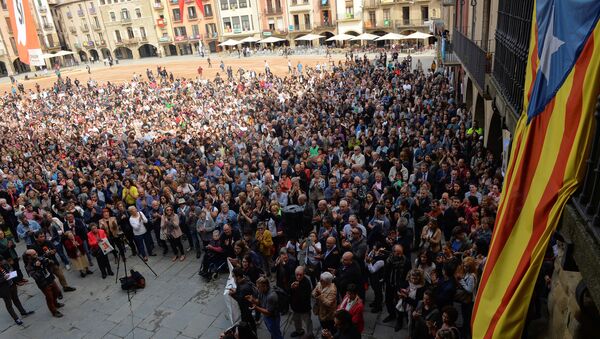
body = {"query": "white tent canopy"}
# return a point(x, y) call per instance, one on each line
point(57, 54)
point(340, 37)
point(230, 42)
point(418, 35)
point(391, 36)
point(309, 37)
point(365, 36)
point(271, 39)
point(250, 39)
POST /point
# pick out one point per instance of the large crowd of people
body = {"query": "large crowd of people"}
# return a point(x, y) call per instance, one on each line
point(355, 186)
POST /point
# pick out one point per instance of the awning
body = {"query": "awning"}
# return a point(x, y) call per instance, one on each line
point(250, 39)
point(340, 37)
point(365, 36)
point(418, 35)
point(309, 37)
point(391, 36)
point(271, 39)
point(230, 42)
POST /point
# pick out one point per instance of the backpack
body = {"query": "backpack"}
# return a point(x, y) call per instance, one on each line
point(283, 299)
point(132, 282)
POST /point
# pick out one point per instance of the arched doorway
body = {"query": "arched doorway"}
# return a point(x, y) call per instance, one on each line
point(82, 56)
point(479, 115)
point(3, 69)
point(212, 46)
point(327, 35)
point(106, 53)
point(494, 135)
point(469, 94)
point(407, 31)
point(123, 53)
point(94, 55)
point(147, 51)
point(20, 67)
point(170, 50)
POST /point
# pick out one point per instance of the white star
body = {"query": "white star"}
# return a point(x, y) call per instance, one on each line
point(551, 45)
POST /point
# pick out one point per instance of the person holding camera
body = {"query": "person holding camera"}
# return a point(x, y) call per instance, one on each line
point(46, 249)
point(8, 292)
point(38, 269)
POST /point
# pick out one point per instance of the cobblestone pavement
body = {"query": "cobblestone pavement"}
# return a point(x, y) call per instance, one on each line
point(176, 304)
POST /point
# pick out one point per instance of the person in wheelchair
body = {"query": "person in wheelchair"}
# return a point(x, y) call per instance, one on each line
point(215, 259)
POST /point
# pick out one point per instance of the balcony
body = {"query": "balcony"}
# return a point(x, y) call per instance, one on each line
point(43, 9)
point(181, 38)
point(404, 23)
point(273, 11)
point(164, 40)
point(92, 10)
point(212, 35)
point(77, 45)
point(126, 21)
point(379, 24)
point(446, 53)
point(371, 4)
point(157, 5)
point(448, 2)
point(48, 25)
point(96, 27)
point(325, 24)
point(143, 38)
point(85, 29)
point(73, 30)
point(472, 57)
point(100, 43)
point(80, 12)
point(69, 15)
point(88, 44)
point(196, 37)
point(192, 18)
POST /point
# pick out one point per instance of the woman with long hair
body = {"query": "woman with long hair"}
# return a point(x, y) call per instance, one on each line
point(169, 225)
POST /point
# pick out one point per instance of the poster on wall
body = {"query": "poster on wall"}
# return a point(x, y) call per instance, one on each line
point(23, 26)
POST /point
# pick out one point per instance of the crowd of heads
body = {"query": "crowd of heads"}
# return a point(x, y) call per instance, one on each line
point(381, 159)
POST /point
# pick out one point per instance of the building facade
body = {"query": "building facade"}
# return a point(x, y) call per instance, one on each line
point(349, 16)
point(239, 19)
point(486, 50)
point(404, 17)
point(274, 18)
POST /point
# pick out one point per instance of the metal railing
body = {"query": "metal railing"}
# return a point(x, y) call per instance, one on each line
point(158, 5)
point(401, 23)
point(448, 2)
point(587, 198)
point(126, 20)
point(472, 57)
point(48, 25)
point(371, 4)
point(447, 54)
point(80, 12)
point(85, 29)
point(273, 10)
point(325, 25)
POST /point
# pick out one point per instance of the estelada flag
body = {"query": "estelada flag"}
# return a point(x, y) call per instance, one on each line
point(25, 32)
point(547, 161)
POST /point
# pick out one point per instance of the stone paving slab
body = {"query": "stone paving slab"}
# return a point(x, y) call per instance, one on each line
point(176, 304)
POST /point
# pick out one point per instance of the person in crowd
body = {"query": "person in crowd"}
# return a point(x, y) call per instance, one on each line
point(9, 293)
point(245, 296)
point(46, 249)
point(170, 228)
point(266, 303)
point(345, 328)
point(26, 229)
point(354, 305)
point(143, 239)
point(75, 251)
point(37, 268)
point(95, 237)
point(300, 303)
point(8, 252)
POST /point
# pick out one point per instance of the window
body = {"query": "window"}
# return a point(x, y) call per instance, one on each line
point(208, 10)
point(306, 21)
point(192, 12)
point(102, 2)
point(130, 33)
point(349, 12)
point(143, 33)
point(406, 15)
point(96, 22)
point(101, 36)
point(124, 14)
point(138, 13)
point(224, 5)
point(195, 30)
point(50, 40)
point(235, 21)
point(113, 17)
point(89, 37)
point(233, 4)
point(425, 13)
point(243, 3)
point(296, 22)
point(180, 31)
point(211, 30)
point(227, 25)
point(386, 14)
point(176, 14)
point(245, 23)
point(118, 35)
point(372, 18)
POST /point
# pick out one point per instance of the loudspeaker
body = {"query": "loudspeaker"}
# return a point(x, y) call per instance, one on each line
point(292, 221)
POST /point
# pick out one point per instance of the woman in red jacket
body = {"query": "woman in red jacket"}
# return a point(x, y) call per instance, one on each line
point(74, 247)
point(354, 305)
point(95, 236)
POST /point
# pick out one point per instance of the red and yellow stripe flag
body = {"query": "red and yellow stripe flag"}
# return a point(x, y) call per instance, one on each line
point(547, 160)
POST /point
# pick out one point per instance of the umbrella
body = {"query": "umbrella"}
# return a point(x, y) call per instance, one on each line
point(230, 42)
point(309, 37)
point(340, 37)
point(250, 39)
point(391, 36)
point(271, 39)
point(418, 35)
point(365, 36)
